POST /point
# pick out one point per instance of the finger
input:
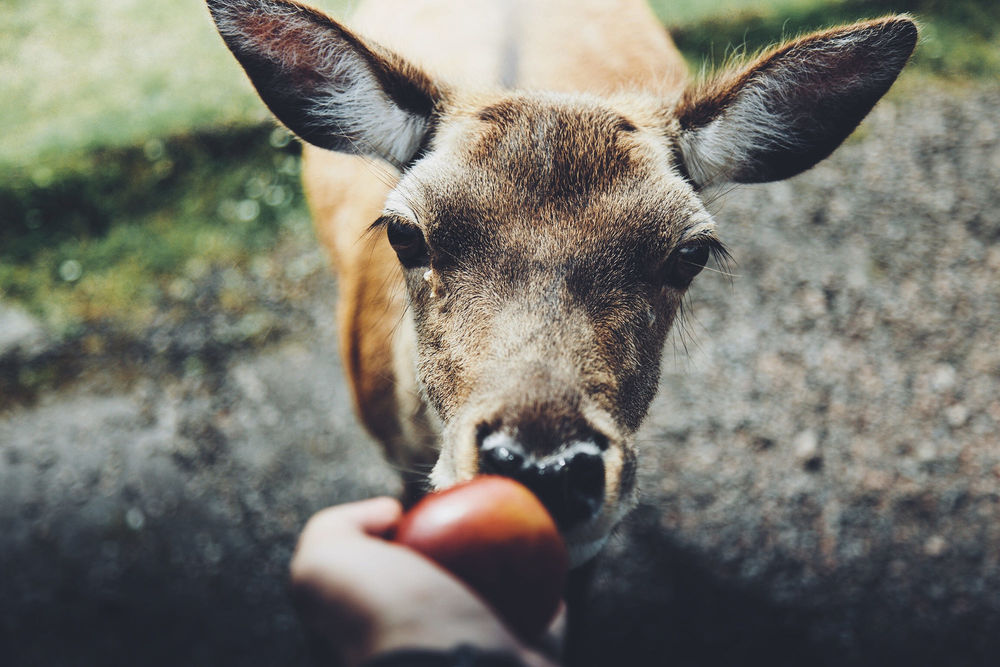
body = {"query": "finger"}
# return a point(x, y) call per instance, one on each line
point(375, 516)
point(558, 625)
point(533, 659)
point(325, 536)
point(551, 643)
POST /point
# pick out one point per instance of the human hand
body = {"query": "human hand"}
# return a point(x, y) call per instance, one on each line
point(363, 595)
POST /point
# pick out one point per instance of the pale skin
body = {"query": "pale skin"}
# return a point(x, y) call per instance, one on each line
point(363, 596)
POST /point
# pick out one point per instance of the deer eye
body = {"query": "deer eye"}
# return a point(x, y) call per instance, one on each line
point(685, 263)
point(408, 241)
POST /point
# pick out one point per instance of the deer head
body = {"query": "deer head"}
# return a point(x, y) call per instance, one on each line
point(547, 240)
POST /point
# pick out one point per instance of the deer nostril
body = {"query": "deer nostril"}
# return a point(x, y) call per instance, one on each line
point(572, 486)
point(570, 483)
point(501, 455)
point(585, 485)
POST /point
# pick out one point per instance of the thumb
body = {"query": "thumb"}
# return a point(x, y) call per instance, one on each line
point(375, 517)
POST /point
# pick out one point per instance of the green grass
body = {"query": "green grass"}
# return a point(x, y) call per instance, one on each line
point(959, 38)
point(84, 74)
point(134, 149)
point(109, 237)
point(99, 73)
point(687, 12)
point(135, 153)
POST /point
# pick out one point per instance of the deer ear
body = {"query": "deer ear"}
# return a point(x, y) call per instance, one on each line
point(793, 106)
point(325, 83)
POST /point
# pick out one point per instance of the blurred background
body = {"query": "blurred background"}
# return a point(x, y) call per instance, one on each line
point(822, 477)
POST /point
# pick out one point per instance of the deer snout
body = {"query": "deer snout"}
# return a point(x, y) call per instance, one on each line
point(568, 481)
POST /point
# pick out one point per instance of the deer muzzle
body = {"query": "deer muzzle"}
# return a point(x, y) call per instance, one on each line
point(568, 481)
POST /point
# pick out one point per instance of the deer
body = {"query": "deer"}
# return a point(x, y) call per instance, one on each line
point(515, 198)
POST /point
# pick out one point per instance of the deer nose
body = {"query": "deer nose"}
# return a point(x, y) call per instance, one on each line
point(569, 482)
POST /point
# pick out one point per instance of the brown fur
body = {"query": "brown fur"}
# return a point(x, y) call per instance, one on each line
point(346, 194)
point(554, 230)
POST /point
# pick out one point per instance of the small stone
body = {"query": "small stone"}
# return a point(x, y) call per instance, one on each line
point(135, 519)
point(813, 303)
point(943, 377)
point(181, 289)
point(926, 451)
point(71, 270)
point(957, 415)
point(935, 546)
point(20, 332)
point(806, 445)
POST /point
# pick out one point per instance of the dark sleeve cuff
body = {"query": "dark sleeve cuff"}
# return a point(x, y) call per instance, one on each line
point(462, 656)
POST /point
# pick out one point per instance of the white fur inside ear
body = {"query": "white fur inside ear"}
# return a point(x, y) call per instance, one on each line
point(347, 101)
point(713, 153)
point(354, 104)
point(762, 117)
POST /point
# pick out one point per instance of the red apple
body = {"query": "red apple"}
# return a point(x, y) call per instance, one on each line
point(496, 536)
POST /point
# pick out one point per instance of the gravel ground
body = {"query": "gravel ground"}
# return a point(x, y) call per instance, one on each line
point(821, 471)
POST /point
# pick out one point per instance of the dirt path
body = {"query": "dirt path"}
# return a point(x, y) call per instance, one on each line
point(821, 473)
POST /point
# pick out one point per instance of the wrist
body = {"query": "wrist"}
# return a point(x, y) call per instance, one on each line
point(446, 629)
